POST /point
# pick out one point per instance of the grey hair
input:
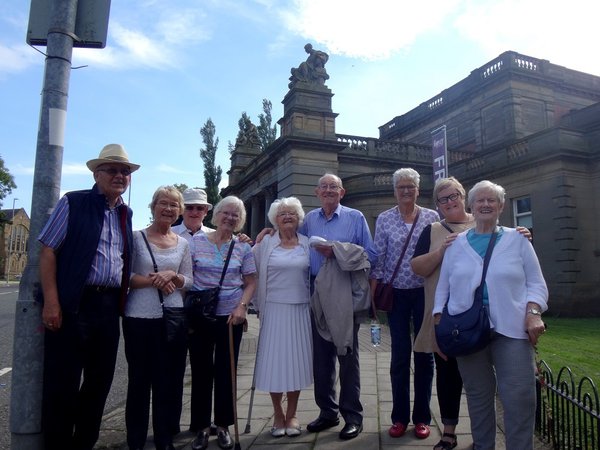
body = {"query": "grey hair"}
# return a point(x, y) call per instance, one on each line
point(406, 173)
point(290, 202)
point(445, 183)
point(167, 191)
point(337, 179)
point(229, 201)
point(483, 185)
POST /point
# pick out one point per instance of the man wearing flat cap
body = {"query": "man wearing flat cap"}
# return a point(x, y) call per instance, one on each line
point(196, 207)
point(84, 272)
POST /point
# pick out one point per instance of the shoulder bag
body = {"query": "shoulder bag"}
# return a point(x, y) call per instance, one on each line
point(203, 304)
point(384, 292)
point(174, 318)
point(467, 332)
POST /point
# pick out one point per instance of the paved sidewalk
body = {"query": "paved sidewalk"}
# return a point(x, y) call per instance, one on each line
point(375, 397)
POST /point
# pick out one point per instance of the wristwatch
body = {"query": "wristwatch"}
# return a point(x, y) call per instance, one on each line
point(534, 311)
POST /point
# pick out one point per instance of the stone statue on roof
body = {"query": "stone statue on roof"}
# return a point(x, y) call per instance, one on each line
point(311, 71)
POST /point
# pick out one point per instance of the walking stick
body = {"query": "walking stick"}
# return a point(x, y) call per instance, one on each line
point(234, 388)
point(253, 388)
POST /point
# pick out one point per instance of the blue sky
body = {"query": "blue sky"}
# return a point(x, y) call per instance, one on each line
point(169, 65)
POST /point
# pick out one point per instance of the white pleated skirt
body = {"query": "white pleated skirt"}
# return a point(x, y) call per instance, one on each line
point(284, 362)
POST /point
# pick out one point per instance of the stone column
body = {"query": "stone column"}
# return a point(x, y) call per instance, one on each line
point(254, 216)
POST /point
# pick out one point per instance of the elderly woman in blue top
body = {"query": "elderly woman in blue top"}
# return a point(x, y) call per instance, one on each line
point(209, 340)
point(284, 357)
point(391, 233)
point(516, 293)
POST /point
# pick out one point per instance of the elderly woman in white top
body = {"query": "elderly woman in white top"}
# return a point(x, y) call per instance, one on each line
point(156, 361)
point(516, 294)
point(284, 357)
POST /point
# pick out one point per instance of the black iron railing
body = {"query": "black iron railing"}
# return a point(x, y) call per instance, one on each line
point(568, 413)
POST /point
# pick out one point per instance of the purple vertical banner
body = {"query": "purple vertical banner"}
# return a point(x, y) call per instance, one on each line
point(439, 153)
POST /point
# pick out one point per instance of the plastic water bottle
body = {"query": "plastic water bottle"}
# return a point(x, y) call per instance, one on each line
point(375, 334)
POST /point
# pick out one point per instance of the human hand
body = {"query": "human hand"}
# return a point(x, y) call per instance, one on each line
point(534, 327)
point(168, 288)
point(238, 315)
point(244, 238)
point(52, 315)
point(263, 233)
point(163, 278)
point(325, 250)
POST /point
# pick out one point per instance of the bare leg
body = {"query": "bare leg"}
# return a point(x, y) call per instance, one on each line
point(292, 406)
point(278, 416)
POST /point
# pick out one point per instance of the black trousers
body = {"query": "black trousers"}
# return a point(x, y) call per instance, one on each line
point(209, 359)
point(154, 366)
point(86, 344)
point(449, 389)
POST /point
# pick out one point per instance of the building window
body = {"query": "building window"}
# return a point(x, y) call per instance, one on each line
point(522, 213)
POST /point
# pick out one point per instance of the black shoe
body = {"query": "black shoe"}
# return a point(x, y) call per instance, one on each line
point(224, 439)
point(321, 424)
point(351, 430)
point(201, 441)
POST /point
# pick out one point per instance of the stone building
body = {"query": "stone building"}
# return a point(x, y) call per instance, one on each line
point(522, 122)
point(13, 247)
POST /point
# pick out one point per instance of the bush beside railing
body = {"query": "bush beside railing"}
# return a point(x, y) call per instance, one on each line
point(568, 413)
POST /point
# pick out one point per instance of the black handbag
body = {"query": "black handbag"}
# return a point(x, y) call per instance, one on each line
point(467, 332)
point(203, 304)
point(173, 317)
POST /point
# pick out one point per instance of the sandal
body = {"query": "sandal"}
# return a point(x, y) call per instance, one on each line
point(446, 445)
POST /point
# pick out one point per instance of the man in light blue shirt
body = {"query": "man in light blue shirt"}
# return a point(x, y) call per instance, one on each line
point(335, 222)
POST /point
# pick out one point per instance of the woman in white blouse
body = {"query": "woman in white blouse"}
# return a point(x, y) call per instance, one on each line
point(156, 364)
point(284, 359)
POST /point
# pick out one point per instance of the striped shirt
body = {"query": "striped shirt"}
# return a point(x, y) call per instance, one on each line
point(345, 225)
point(208, 262)
point(107, 265)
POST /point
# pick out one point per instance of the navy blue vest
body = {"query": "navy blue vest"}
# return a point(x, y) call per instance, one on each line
point(74, 257)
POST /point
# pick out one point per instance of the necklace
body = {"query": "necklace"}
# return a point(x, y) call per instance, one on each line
point(221, 247)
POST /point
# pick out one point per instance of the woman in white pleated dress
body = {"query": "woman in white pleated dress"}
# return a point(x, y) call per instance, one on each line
point(284, 359)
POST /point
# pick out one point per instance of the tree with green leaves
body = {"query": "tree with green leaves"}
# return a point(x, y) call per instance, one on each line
point(7, 181)
point(212, 172)
point(180, 187)
point(266, 132)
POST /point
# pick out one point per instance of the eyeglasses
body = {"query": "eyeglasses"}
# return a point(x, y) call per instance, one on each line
point(409, 188)
point(287, 214)
point(449, 198)
point(196, 207)
point(331, 187)
point(234, 216)
point(164, 204)
point(113, 172)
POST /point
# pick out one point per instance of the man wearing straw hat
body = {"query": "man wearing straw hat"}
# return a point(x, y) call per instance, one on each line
point(84, 272)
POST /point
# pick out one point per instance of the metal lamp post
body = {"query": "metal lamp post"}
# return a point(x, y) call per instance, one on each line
point(10, 241)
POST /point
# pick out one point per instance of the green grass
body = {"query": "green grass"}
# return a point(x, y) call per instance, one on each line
point(574, 343)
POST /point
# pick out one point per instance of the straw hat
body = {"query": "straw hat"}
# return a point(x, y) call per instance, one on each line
point(112, 153)
point(192, 196)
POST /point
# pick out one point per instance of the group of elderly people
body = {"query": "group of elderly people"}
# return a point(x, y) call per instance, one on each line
point(439, 263)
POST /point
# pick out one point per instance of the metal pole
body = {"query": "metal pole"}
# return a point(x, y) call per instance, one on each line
point(28, 355)
point(11, 239)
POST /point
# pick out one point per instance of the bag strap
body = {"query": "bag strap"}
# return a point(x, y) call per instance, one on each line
point(486, 261)
point(412, 228)
point(227, 262)
point(160, 294)
point(446, 226)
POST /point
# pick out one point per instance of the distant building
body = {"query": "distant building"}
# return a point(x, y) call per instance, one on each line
point(522, 122)
point(13, 247)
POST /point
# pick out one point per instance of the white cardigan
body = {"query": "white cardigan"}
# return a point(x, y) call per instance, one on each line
point(262, 252)
point(514, 277)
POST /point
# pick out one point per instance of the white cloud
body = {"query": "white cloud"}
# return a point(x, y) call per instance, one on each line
point(372, 30)
point(18, 57)
point(75, 169)
point(564, 33)
point(170, 169)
